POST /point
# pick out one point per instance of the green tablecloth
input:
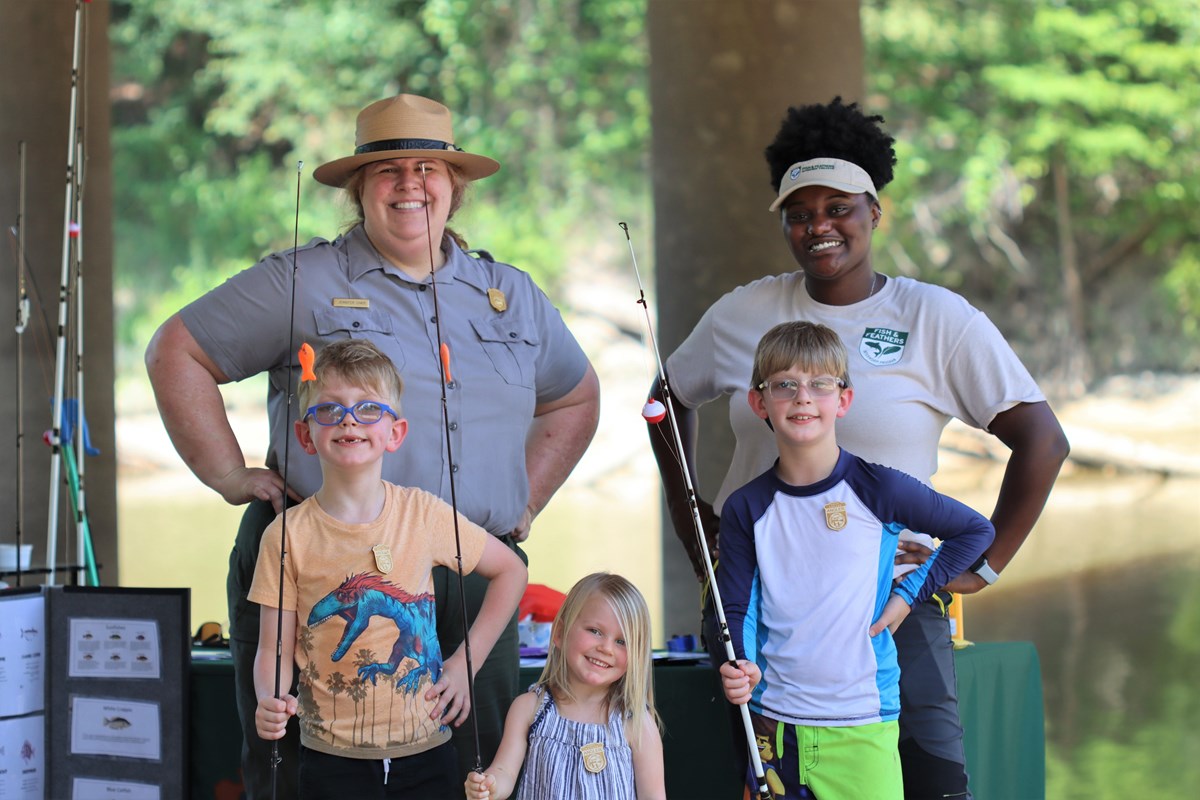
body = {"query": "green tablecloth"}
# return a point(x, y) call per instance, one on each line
point(1000, 696)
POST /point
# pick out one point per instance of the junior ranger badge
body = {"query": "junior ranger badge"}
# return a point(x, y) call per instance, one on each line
point(835, 516)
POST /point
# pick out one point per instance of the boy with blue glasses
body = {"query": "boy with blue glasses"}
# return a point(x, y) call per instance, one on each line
point(357, 582)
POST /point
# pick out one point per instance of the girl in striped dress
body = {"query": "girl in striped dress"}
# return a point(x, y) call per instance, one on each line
point(587, 730)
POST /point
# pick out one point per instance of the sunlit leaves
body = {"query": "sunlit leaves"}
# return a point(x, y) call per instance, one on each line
point(988, 96)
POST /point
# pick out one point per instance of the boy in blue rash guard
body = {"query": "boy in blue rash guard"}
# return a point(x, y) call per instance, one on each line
point(805, 575)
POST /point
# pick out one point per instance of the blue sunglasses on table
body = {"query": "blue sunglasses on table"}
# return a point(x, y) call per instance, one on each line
point(365, 412)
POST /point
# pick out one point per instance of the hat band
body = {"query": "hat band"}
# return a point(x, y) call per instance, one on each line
point(405, 144)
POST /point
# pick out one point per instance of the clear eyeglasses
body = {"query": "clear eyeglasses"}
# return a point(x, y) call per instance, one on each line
point(787, 389)
point(365, 412)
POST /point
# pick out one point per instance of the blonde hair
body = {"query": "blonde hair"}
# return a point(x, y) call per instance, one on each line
point(807, 345)
point(458, 194)
point(633, 694)
point(359, 363)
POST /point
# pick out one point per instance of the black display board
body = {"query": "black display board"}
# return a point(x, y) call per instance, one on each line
point(92, 674)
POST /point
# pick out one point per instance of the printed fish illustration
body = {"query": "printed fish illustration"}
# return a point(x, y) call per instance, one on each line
point(117, 723)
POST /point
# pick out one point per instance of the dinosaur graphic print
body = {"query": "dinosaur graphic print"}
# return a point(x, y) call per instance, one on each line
point(414, 662)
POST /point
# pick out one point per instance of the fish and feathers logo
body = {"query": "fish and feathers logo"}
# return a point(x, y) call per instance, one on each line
point(882, 346)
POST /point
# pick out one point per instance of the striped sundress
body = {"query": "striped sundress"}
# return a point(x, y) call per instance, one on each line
point(554, 765)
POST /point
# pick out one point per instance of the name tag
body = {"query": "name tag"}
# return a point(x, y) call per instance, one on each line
point(351, 302)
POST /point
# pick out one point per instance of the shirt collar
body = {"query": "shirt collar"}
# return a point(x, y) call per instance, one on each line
point(363, 258)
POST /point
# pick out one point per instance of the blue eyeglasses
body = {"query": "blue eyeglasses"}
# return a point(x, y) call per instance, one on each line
point(365, 412)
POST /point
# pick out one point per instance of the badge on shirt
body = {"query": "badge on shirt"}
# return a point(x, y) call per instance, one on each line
point(351, 302)
point(383, 558)
point(497, 299)
point(882, 346)
point(593, 757)
point(835, 516)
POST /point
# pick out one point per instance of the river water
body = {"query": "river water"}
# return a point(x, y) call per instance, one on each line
point(1108, 589)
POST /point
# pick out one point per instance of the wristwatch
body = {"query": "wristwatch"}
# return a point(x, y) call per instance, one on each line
point(983, 570)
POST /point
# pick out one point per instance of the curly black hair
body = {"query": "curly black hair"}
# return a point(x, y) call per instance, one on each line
point(832, 130)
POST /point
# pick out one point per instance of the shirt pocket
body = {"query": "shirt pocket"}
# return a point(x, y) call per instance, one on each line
point(360, 323)
point(512, 344)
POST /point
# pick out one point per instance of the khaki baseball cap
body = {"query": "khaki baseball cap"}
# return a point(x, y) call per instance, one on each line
point(832, 172)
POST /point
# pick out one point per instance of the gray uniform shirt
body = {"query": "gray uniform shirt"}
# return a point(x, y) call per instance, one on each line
point(509, 351)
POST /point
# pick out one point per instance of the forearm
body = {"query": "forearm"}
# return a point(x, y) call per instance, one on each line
point(499, 603)
point(558, 436)
point(1039, 448)
point(276, 645)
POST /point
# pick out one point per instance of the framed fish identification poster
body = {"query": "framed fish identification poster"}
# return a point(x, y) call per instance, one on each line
point(118, 673)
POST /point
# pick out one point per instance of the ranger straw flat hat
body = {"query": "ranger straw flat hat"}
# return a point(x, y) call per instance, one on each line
point(404, 126)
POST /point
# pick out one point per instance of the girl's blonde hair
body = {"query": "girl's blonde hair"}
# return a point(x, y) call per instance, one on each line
point(633, 694)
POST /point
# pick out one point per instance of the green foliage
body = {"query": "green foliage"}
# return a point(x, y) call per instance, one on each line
point(988, 100)
point(217, 102)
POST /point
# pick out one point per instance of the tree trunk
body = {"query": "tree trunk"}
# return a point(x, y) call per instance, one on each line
point(722, 76)
point(1074, 360)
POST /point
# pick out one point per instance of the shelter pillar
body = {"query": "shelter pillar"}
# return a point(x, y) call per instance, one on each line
point(722, 76)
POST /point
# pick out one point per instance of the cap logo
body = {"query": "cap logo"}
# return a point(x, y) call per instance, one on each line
point(811, 168)
point(834, 173)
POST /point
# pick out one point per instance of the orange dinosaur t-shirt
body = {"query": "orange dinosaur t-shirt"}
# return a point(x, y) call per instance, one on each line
point(366, 630)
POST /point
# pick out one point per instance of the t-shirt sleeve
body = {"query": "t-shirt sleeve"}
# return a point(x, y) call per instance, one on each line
point(242, 325)
point(985, 376)
point(264, 589)
point(965, 533)
point(561, 362)
point(692, 368)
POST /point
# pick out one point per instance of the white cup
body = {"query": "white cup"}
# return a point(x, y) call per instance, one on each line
point(8, 556)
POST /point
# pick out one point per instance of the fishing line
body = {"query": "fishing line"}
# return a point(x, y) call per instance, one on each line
point(655, 413)
point(444, 365)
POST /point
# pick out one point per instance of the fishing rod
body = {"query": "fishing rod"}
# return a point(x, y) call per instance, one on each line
point(76, 461)
point(22, 322)
point(71, 230)
point(444, 366)
point(306, 363)
point(655, 412)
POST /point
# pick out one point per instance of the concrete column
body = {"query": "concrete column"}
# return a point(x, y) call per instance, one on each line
point(722, 75)
point(36, 45)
